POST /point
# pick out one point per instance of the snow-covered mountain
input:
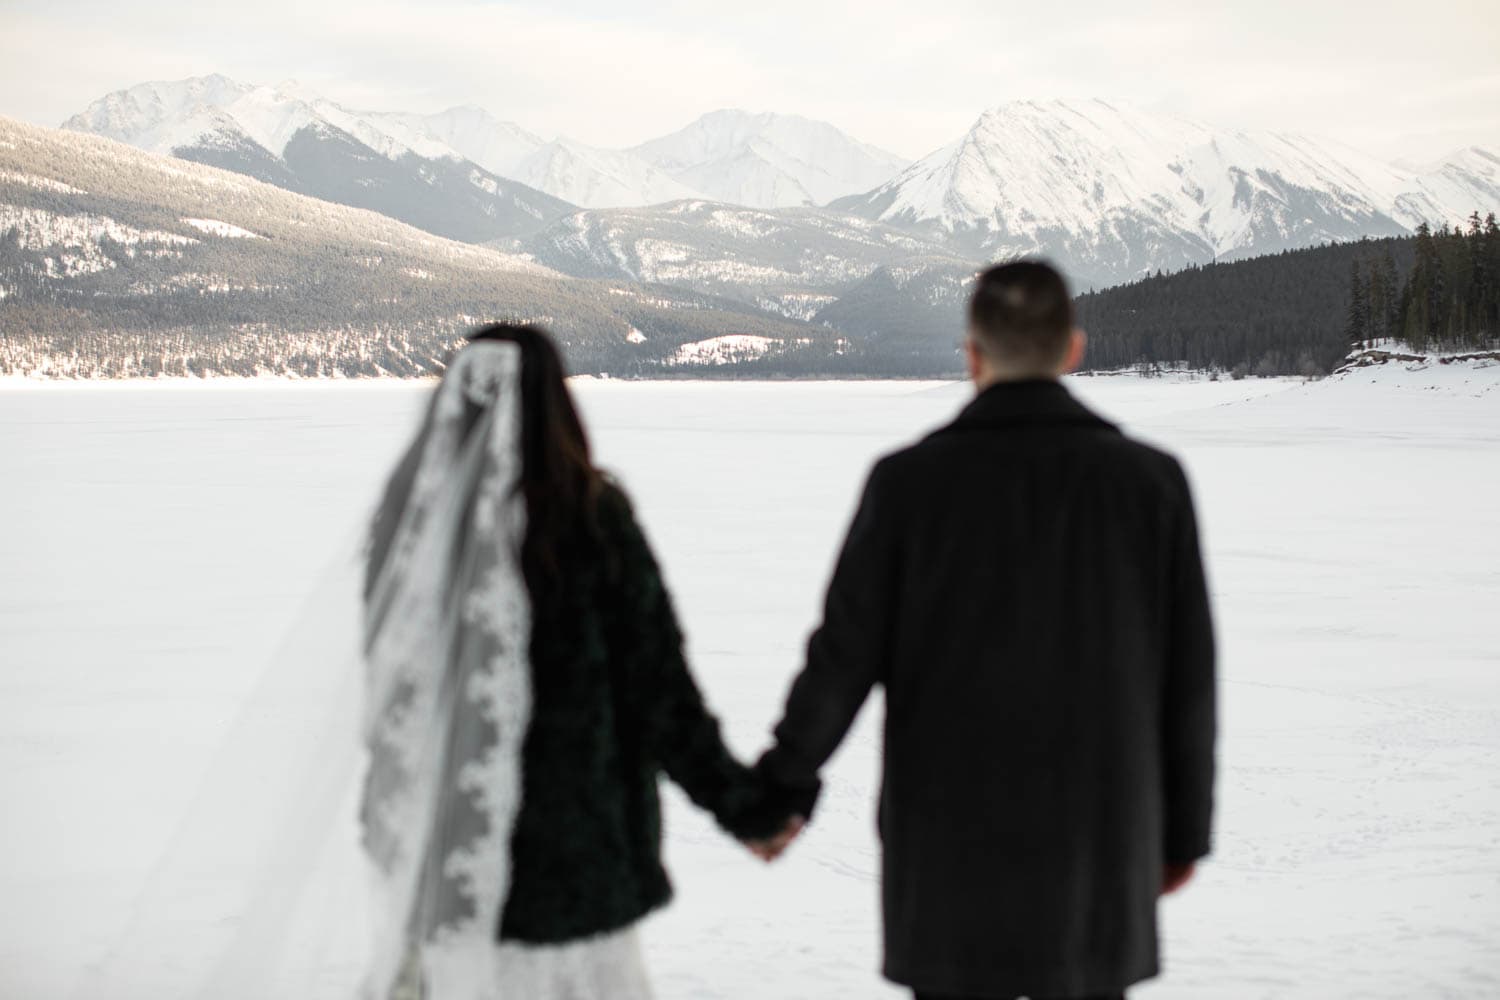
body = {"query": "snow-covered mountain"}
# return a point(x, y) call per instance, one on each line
point(406, 168)
point(598, 178)
point(1440, 191)
point(1113, 192)
point(757, 160)
point(118, 262)
point(791, 261)
point(769, 160)
point(468, 132)
point(1109, 191)
point(159, 117)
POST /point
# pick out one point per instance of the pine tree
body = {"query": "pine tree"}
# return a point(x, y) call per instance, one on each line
point(1376, 298)
point(1490, 265)
point(1423, 291)
point(1357, 329)
point(1475, 300)
point(1391, 321)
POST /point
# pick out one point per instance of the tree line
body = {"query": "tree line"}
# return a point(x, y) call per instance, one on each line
point(1449, 298)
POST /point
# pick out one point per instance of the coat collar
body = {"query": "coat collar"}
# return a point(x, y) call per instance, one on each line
point(1027, 403)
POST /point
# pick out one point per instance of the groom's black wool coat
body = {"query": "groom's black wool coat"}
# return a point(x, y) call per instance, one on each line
point(1026, 586)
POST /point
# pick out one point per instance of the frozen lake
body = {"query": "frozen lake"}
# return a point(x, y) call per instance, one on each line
point(158, 540)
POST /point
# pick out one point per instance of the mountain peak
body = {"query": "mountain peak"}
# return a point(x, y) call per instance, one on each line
point(207, 80)
point(1114, 191)
point(295, 89)
point(768, 159)
point(598, 178)
point(466, 110)
point(742, 116)
point(730, 113)
point(160, 115)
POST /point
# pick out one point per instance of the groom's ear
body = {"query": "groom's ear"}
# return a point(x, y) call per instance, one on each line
point(1077, 344)
point(973, 358)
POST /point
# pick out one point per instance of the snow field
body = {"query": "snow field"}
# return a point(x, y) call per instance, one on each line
point(162, 541)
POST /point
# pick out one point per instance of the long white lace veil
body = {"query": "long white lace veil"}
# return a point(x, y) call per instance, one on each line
point(351, 838)
point(447, 631)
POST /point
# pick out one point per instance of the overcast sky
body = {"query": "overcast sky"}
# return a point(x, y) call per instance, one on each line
point(1413, 79)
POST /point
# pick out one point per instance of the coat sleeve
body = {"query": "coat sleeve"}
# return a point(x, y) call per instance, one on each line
point(846, 655)
point(1189, 710)
point(675, 725)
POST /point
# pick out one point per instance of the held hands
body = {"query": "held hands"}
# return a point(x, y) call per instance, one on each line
point(772, 847)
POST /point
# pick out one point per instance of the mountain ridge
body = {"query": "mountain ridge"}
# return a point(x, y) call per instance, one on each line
point(1110, 192)
point(768, 160)
point(295, 139)
point(781, 159)
point(1114, 193)
point(116, 262)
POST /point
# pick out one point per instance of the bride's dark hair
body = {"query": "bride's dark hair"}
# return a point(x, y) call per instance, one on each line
point(561, 483)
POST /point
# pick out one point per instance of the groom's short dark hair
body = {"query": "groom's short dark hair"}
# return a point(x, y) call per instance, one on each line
point(1021, 311)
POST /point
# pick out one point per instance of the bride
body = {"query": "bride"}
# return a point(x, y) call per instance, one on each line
point(525, 683)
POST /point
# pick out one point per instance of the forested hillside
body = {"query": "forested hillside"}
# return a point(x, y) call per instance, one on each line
point(114, 262)
point(1450, 299)
point(1283, 314)
point(1300, 312)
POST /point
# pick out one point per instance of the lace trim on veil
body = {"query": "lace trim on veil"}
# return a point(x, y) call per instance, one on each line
point(449, 690)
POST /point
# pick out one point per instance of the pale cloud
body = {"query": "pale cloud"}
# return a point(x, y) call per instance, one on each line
point(1397, 79)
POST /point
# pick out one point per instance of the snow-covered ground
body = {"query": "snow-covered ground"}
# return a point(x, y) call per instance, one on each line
point(158, 542)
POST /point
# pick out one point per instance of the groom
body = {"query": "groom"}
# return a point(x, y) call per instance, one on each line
point(1026, 585)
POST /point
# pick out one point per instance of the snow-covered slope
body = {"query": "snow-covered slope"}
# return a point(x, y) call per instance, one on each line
point(792, 261)
point(769, 160)
point(248, 128)
point(469, 132)
point(164, 116)
point(118, 262)
point(159, 117)
point(598, 178)
point(407, 167)
point(1109, 191)
point(67, 196)
point(1399, 366)
point(757, 160)
point(1469, 177)
point(1114, 192)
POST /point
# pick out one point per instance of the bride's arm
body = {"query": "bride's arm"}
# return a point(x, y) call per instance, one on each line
point(678, 730)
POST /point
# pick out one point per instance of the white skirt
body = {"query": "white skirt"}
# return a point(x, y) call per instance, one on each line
point(607, 967)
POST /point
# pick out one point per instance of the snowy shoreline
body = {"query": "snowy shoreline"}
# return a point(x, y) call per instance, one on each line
point(35, 382)
point(1378, 356)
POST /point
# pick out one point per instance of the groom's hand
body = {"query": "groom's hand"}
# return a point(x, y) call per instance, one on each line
point(771, 848)
point(1175, 876)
